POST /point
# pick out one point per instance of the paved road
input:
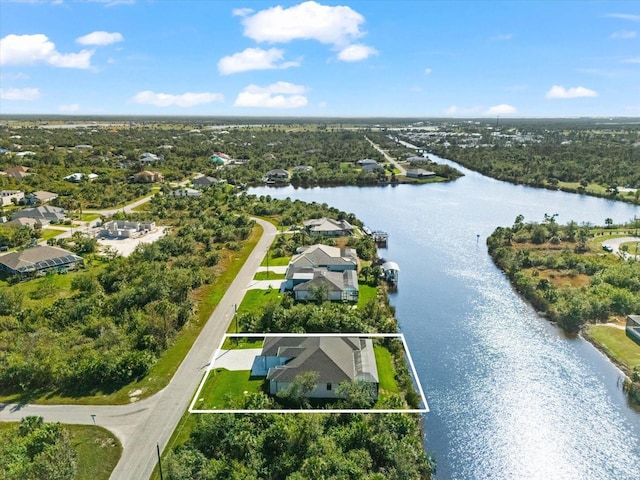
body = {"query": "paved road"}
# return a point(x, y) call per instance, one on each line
point(403, 171)
point(615, 243)
point(140, 425)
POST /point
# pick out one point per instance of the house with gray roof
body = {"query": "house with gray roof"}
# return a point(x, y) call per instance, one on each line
point(44, 212)
point(185, 192)
point(39, 197)
point(333, 259)
point(334, 359)
point(38, 259)
point(205, 182)
point(420, 173)
point(328, 227)
point(9, 197)
point(332, 286)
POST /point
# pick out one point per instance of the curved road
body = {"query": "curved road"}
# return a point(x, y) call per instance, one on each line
point(141, 425)
point(615, 243)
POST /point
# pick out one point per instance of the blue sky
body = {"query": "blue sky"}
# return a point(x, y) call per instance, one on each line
point(347, 58)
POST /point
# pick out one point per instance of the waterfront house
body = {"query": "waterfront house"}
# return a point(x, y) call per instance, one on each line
point(420, 173)
point(334, 359)
point(328, 227)
point(633, 328)
point(333, 259)
point(278, 175)
point(331, 286)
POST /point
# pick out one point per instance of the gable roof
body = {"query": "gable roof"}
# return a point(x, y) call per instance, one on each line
point(324, 224)
point(324, 255)
point(335, 359)
point(334, 281)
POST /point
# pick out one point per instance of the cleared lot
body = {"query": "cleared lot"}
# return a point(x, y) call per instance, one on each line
point(125, 246)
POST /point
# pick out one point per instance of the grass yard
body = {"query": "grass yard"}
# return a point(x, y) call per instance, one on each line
point(615, 343)
point(269, 276)
point(48, 233)
point(386, 373)
point(97, 449)
point(222, 386)
point(276, 261)
point(255, 300)
point(366, 293)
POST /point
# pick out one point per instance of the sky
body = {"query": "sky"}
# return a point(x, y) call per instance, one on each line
point(320, 58)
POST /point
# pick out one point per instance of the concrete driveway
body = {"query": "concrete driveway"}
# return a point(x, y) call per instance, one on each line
point(241, 359)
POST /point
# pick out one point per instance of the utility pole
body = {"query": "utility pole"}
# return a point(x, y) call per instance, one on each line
point(159, 460)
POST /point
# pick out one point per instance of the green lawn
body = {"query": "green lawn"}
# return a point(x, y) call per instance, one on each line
point(615, 343)
point(224, 385)
point(384, 363)
point(255, 300)
point(48, 233)
point(276, 262)
point(366, 293)
point(97, 449)
point(269, 276)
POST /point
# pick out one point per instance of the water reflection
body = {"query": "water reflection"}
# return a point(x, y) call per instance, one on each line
point(511, 396)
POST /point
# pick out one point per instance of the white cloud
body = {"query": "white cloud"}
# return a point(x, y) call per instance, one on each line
point(452, 110)
point(502, 109)
point(100, 38)
point(188, 99)
point(73, 107)
point(277, 95)
point(253, 59)
point(19, 93)
point(631, 60)
point(558, 91)
point(30, 49)
point(427, 71)
point(625, 16)
point(623, 35)
point(337, 26)
point(13, 76)
point(241, 12)
point(356, 52)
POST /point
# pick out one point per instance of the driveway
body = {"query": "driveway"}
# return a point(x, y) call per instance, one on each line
point(241, 359)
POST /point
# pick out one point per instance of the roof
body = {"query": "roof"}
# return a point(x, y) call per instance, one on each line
point(37, 258)
point(390, 266)
point(334, 281)
point(420, 172)
point(327, 225)
point(205, 181)
point(324, 255)
point(42, 196)
point(22, 222)
point(367, 161)
point(335, 359)
point(44, 211)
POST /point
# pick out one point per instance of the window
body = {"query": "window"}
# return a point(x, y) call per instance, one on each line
point(328, 386)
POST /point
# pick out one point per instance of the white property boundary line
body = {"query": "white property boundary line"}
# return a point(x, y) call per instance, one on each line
point(414, 374)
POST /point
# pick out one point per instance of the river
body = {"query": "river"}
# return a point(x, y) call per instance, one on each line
point(511, 397)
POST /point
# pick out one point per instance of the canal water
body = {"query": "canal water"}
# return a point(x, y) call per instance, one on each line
point(511, 397)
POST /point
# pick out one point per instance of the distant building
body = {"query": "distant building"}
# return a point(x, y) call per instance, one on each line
point(39, 197)
point(205, 182)
point(18, 172)
point(38, 259)
point(78, 177)
point(633, 328)
point(9, 197)
point(366, 161)
point(420, 173)
point(219, 158)
point(125, 229)
point(146, 176)
point(186, 192)
point(147, 157)
point(84, 147)
point(45, 212)
point(278, 175)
